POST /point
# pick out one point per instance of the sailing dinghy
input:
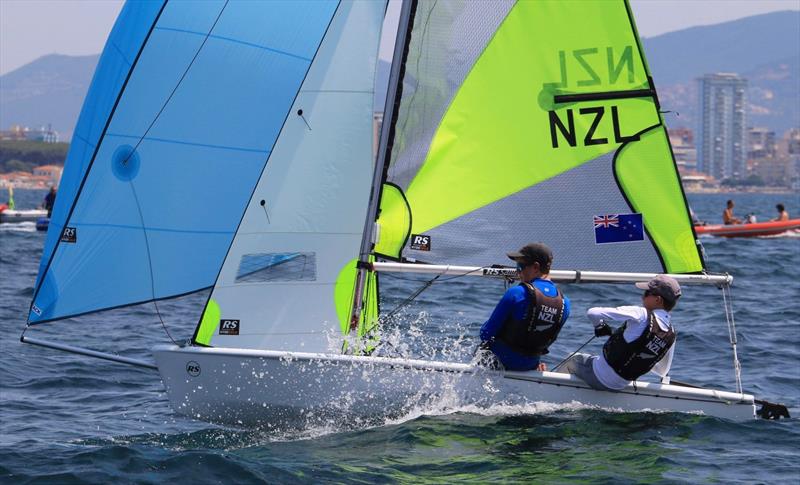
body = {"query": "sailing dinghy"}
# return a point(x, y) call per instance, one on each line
point(227, 146)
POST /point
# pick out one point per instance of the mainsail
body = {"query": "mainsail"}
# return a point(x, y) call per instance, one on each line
point(531, 121)
point(186, 109)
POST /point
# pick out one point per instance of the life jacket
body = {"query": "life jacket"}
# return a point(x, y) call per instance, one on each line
point(633, 359)
point(538, 328)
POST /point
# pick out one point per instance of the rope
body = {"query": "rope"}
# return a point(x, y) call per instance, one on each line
point(411, 298)
point(570, 355)
point(727, 299)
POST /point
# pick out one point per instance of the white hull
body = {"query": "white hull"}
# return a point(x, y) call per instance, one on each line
point(272, 388)
point(27, 215)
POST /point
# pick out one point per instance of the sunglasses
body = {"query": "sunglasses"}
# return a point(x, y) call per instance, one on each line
point(650, 293)
point(520, 267)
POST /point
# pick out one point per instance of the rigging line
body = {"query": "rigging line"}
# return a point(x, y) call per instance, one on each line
point(570, 355)
point(178, 84)
point(419, 291)
point(727, 298)
point(150, 264)
point(133, 188)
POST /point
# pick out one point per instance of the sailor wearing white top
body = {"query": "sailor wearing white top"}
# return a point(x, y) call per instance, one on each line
point(636, 321)
point(644, 342)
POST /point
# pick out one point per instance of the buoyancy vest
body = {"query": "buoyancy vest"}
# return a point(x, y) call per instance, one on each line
point(633, 359)
point(538, 328)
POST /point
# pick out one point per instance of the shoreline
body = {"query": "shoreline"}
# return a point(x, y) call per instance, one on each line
point(764, 190)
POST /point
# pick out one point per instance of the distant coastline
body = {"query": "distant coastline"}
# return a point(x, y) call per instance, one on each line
point(742, 190)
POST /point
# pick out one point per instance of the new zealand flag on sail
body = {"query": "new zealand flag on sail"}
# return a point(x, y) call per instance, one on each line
point(614, 228)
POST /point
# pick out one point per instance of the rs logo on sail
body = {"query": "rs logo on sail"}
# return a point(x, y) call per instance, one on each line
point(228, 327)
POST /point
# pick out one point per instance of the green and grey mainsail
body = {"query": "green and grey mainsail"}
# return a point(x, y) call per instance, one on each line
point(524, 121)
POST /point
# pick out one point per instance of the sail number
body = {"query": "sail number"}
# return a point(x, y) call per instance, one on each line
point(594, 115)
point(581, 68)
point(589, 67)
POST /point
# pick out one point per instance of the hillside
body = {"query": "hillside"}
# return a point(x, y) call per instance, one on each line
point(25, 155)
point(49, 90)
point(763, 48)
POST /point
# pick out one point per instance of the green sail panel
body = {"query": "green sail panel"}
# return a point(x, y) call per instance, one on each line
point(558, 85)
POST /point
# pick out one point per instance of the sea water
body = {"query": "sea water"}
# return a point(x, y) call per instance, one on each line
point(70, 419)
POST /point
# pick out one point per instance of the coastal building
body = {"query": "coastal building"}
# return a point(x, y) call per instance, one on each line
point(774, 171)
point(695, 182)
point(792, 139)
point(50, 173)
point(23, 133)
point(42, 177)
point(24, 180)
point(760, 143)
point(721, 134)
point(682, 141)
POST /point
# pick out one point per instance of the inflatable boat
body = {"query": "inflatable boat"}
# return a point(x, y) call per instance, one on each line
point(755, 229)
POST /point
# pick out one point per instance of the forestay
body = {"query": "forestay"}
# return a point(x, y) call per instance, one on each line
point(532, 121)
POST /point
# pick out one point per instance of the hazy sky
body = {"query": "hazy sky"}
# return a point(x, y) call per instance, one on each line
point(32, 28)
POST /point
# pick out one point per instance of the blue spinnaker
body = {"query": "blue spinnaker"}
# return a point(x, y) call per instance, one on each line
point(186, 105)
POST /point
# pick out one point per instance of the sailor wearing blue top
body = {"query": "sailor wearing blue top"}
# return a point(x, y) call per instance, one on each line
point(529, 316)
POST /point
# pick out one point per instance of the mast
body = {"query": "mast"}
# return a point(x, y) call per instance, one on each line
point(393, 92)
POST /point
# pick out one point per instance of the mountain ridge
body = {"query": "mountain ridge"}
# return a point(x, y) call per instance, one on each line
point(763, 48)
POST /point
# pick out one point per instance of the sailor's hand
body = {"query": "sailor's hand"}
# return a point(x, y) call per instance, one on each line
point(541, 367)
point(602, 329)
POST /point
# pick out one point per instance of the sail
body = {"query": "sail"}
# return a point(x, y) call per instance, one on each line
point(183, 114)
point(532, 121)
point(124, 42)
point(288, 279)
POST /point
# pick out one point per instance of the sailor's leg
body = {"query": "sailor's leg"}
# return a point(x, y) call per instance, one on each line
point(580, 365)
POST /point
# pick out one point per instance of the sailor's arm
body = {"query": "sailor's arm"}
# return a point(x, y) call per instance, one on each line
point(597, 315)
point(498, 317)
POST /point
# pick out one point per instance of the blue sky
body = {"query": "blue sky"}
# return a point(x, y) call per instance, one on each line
point(32, 28)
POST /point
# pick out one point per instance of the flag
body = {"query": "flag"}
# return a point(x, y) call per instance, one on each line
point(614, 228)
